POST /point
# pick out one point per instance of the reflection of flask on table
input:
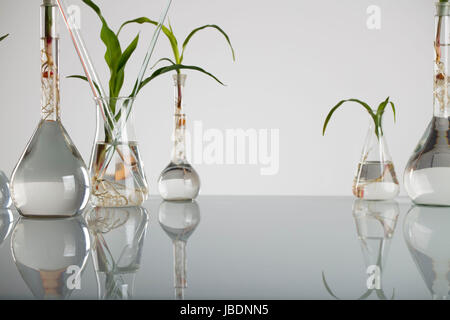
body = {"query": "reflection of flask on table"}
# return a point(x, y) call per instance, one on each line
point(427, 234)
point(118, 236)
point(375, 225)
point(5, 196)
point(179, 220)
point(6, 224)
point(50, 255)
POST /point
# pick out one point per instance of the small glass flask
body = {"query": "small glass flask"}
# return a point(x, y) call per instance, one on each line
point(179, 181)
point(51, 254)
point(51, 178)
point(117, 170)
point(179, 220)
point(427, 174)
point(375, 178)
point(426, 231)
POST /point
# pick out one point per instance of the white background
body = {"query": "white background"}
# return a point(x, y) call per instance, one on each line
point(295, 60)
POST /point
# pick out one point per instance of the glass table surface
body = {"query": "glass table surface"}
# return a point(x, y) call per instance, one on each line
point(231, 247)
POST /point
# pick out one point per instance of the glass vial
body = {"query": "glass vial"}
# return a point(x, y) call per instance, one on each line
point(375, 178)
point(179, 181)
point(51, 178)
point(427, 174)
point(117, 170)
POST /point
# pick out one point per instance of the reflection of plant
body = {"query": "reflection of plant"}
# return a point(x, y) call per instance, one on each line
point(380, 292)
point(377, 116)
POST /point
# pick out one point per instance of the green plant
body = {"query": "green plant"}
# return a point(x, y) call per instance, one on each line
point(4, 37)
point(377, 116)
point(178, 55)
point(117, 59)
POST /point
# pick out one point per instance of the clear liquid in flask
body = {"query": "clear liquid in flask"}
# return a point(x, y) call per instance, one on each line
point(179, 182)
point(427, 175)
point(51, 178)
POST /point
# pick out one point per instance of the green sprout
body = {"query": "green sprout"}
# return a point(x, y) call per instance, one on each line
point(3, 37)
point(377, 116)
point(176, 64)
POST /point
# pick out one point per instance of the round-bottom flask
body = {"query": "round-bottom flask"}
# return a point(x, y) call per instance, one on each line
point(179, 181)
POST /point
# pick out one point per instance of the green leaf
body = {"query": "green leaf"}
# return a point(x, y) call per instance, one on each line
point(168, 32)
point(109, 38)
point(161, 60)
point(176, 67)
point(381, 110)
point(127, 53)
point(118, 75)
point(333, 110)
point(4, 37)
point(189, 37)
point(83, 78)
point(393, 110)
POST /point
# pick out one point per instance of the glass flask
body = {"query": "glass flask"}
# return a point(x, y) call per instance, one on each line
point(179, 220)
point(51, 254)
point(117, 171)
point(179, 181)
point(5, 195)
point(51, 178)
point(6, 224)
point(118, 236)
point(427, 174)
point(427, 233)
point(375, 178)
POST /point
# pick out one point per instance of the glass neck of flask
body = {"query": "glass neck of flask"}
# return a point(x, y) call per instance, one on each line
point(179, 134)
point(50, 107)
point(442, 60)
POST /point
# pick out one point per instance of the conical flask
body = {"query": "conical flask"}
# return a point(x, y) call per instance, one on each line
point(375, 178)
point(51, 178)
point(179, 220)
point(427, 174)
point(179, 181)
point(427, 233)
